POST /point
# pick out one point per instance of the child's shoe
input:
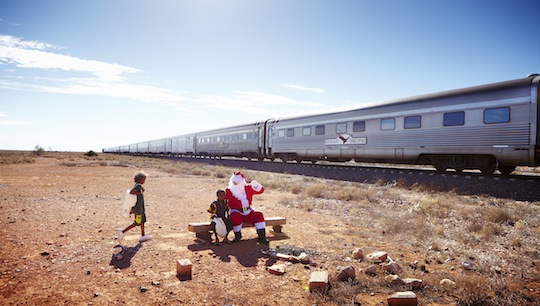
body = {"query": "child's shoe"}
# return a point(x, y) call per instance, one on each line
point(120, 234)
point(145, 238)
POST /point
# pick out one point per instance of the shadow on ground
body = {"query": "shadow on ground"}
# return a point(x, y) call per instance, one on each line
point(247, 252)
point(122, 259)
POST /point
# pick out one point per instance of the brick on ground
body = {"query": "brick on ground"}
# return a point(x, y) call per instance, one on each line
point(318, 281)
point(183, 268)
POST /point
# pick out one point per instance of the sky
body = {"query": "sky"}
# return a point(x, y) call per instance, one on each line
point(87, 75)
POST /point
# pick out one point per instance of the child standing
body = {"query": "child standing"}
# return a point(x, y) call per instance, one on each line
point(220, 209)
point(138, 210)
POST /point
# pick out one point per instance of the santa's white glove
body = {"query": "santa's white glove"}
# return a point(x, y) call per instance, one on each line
point(256, 185)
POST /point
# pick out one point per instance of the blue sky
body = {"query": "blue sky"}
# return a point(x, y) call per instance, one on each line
point(85, 75)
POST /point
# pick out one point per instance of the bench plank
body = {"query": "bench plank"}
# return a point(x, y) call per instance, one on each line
point(203, 227)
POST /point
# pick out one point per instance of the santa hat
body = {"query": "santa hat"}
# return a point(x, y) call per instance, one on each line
point(237, 177)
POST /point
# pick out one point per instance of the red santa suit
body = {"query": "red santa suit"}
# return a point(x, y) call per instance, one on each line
point(240, 196)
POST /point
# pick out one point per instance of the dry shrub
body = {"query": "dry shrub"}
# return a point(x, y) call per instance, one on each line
point(307, 205)
point(412, 225)
point(473, 291)
point(296, 189)
point(9, 159)
point(487, 290)
point(342, 293)
point(439, 230)
point(498, 215)
point(286, 201)
point(201, 172)
point(220, 175)
point(70, 164)
point(516, 242)
point(490, 230)
point(435, 207)
point(401, 183)
point(380, 182)
point(316, 191)
point(355, 194)
point(475, 227)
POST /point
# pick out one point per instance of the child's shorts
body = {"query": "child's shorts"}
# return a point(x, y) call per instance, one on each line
point(139, 219)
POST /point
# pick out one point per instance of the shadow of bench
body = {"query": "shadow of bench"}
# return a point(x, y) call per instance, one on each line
point(202, 229)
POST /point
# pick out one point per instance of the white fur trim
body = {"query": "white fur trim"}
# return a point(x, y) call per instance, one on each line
point(237, 228)
point(256, 186)
point(260, 225)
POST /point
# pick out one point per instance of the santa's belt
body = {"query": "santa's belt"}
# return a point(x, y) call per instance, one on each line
point(244, 209)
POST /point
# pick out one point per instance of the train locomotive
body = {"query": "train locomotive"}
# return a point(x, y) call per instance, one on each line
point(488, 128)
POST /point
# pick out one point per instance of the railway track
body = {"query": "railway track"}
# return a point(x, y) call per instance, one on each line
point(519, 187)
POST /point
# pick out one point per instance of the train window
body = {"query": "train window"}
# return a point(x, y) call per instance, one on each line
point(412, 122)
point(306, 131)
point(388, 124)
point(453, 119)
point(497, 115)
point(244, 136)
point(341, 128)
point(235, 137)
point(281, 133)
point(290, 132)
point(319, 130)
point(252, 135)
point(359, 126)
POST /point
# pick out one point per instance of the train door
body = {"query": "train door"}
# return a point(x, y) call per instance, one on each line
point(534, 120)
point(191, 145)
point(260, 141)
point(399, 153)
point(269, 129)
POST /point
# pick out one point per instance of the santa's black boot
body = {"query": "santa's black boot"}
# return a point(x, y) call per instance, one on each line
point(262, 236)
point(237, 236)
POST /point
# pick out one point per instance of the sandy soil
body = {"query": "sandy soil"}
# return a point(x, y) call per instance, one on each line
point(59, 243)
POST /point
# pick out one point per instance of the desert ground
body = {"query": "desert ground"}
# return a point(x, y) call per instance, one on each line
point(60, 212)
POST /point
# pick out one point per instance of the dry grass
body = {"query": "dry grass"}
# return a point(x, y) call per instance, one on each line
point(437, 226)
point(15, 157)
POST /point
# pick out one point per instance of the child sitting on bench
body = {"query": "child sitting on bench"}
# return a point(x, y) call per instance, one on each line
point(220, 209)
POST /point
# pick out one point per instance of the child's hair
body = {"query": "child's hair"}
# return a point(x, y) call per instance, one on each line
point(219, 191)
point(140, 175)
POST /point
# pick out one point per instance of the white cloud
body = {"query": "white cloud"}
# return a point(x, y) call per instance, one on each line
point(303, 88)
point(10, 122)
point(255, 103)
point(32, 54)
point(106, 79)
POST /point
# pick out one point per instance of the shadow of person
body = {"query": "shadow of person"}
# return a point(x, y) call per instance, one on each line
point(122, 259)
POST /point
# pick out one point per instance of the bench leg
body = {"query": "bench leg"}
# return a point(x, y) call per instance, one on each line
point(277, 228)
point(204, 236)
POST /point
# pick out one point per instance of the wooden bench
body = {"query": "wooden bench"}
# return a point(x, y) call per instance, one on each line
point(202, 229)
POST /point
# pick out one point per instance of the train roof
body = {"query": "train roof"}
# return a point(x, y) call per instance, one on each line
point(492, 91)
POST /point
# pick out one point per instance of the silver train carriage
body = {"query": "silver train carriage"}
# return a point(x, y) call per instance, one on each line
point(486, 127)
point(489, 127)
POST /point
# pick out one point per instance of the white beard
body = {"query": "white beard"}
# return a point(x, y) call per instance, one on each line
point(239, 192)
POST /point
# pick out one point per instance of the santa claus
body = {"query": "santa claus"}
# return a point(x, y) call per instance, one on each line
point(240, 195)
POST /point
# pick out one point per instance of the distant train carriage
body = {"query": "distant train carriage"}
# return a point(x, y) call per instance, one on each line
point(238, 141)
point(183, 144)
point(111, 150)
point(158, 146)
